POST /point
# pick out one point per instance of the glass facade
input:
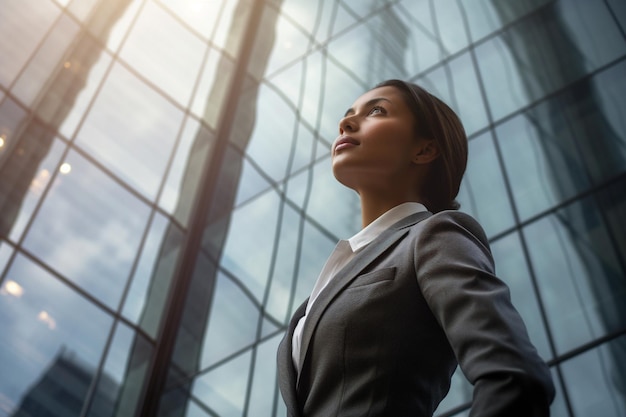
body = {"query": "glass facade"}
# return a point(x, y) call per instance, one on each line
point(166, 199)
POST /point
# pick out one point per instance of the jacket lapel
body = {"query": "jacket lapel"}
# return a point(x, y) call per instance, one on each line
point(369, 254)
point(286, 372)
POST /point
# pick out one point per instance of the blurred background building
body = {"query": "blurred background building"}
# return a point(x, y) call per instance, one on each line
point(166, 199)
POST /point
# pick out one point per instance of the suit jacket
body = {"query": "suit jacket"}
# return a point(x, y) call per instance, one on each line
point(384, 337)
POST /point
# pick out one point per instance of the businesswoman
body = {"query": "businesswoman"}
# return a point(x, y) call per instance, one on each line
point(414, 294)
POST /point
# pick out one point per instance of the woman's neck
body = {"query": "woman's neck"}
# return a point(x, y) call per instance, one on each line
point(375, 205)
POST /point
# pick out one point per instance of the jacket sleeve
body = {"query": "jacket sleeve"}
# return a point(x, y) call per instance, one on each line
point(456, 274)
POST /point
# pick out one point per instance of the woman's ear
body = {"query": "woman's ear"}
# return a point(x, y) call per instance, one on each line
point(425, 152)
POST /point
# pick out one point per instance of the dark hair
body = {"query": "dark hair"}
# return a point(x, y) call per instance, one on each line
point(437, 121)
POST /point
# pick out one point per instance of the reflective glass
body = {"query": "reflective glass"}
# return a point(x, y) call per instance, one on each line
point(52, 341)
point(618, 8)
point(289, 44)
point(331, 204)
point(441, 22)
point(457, 85)
point(613, 204)
point(264, 377)
point(302, 85)
point(579, 276)
point(298, 187)
point(88, 229)
point(34, 80)
point(6, 250)
point(251, 183)
point(223, 389)
point(271, 144)
point(316, 248)
point(24, 199)
point(165, 52)
point(482, 181)
point(385, 36)
point(92, 68)
point(232, 322)
point(185, 174)
point(567, 39)
point(283, 270)
point(320, 19)
point(210, 95)
point(595, 380)
point(153, 251)
point(117, 391)
point(541, 159)
point(131, 130)
point(596, 119)
point(229, 33)
point(201, 15)
point(113, 20)
point(82, 8)
point(487, 16)
point(247, 252)
point(512, 268)
point(24, 24)
point(12, 118)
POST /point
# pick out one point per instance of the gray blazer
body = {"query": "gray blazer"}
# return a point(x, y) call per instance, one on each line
point(384, 337)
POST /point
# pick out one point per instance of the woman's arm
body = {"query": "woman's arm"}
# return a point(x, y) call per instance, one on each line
point(455, 272)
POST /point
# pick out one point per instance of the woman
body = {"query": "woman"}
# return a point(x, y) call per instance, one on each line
point(398, 305)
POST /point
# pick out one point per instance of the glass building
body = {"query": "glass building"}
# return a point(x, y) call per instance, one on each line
point(166, 199)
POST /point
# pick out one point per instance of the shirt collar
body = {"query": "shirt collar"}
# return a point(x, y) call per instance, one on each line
point(382, 223)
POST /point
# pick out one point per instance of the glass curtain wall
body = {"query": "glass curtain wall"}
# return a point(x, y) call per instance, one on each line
point(166, 199)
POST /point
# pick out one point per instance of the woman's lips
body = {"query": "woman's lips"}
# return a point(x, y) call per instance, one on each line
point(345, 142)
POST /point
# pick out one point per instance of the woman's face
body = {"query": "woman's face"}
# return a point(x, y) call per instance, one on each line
point(376, 145)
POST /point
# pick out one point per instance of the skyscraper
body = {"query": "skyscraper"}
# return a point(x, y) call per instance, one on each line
point(166, 199)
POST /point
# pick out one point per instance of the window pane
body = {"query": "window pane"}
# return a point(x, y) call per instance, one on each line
point(24, 23)
point(344, 220)
point(541, 159)
point(49, 58)
point(483, 193)
point(290, 43)
point(50, 351)
point(201, 15)
point(165, 52)
point(152, 277)
point(271, 142)
point(580, 279)
point(39, 171)
point(131, 130)
point(118, 388)
point(595, 380)
point(247, 252)
point(264, 377)
point(544, 52)
point(88, 229)
point(185, 174)
point(224, 389)
point(232, 322)
point(457, 85)
point(613, 205)
point(512, 268)
point(284, 268)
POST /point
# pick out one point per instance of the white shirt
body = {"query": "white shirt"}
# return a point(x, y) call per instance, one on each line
point(343, 253)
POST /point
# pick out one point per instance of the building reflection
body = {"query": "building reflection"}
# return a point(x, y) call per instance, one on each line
point(63, 388)
point(579, 145)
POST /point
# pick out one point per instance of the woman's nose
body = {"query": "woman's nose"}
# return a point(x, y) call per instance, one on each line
point(347, 124)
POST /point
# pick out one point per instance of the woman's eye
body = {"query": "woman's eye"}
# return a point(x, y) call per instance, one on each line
point(377, 110)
